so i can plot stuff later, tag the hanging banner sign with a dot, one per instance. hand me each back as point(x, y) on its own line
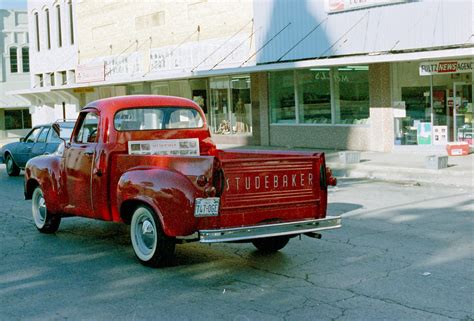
point(90, 73)
point(346, 5)
point(446, 67)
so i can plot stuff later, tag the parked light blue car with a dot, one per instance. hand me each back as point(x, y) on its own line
point(41, 140)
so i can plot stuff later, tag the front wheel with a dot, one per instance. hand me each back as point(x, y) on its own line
point(152, 247)
point(271, 244)
point(12, 168)
point(44, 221)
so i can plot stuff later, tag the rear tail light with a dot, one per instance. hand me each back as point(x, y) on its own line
point(331, 180)
point(218, 179)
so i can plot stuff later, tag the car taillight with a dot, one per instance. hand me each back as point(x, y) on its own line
point(331, 180)
point(218, 179)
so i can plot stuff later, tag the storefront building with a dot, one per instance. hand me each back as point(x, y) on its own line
point(334, 74)
point(353, 75)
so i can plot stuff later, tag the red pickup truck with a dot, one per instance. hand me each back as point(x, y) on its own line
point(149, 161)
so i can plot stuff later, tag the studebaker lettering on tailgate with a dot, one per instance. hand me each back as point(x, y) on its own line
point(269, 182)
point(149, 161)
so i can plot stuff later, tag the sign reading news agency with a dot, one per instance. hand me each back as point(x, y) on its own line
point(446, 67)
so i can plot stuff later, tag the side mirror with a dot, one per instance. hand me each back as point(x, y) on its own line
point(22, 139)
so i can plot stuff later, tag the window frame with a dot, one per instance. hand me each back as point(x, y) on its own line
point(48, 28)
point(31, 132)
point(37, 31)
point(71, 22)
point(14, 50)
point(82, 119)
point(203, 119)
point(44, 129)
point(333, 99)
point(25, 62)
point(59, 27)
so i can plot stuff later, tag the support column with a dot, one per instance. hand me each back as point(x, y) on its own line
point(260, 121)
point(381, 112)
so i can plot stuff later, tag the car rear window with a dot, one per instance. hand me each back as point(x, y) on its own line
point(153, 118)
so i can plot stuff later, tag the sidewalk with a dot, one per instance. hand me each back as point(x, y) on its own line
point(401, 165)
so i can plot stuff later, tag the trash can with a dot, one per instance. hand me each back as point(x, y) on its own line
point(457, 148)
point(436, 162)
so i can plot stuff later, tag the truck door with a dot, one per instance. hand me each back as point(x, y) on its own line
point(79, 161)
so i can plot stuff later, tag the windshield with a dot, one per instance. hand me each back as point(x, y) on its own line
point(152, 118)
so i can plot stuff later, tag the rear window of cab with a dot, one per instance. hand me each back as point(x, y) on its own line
point(154, 118)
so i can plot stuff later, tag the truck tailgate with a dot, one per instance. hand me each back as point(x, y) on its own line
point(265, 186)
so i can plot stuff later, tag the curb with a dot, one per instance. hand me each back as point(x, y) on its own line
point(398, 174)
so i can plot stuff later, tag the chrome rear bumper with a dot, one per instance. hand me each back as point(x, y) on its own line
point(269, 230)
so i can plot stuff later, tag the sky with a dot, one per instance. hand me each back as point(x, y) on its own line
point(13, 4)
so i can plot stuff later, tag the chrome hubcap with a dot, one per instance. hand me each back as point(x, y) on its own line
point(144, 236)
point(39, 209)
point(147, 234)
point(9, 163)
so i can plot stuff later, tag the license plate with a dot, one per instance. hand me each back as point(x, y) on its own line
point(206, 207)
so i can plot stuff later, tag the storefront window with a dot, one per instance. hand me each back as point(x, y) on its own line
point(230, 105)
point(282, 97)
point(351, 90)
point(463, 122)
point(241, 107)
point(435, 107)
point(337, 95)
point(17, 119)
point(220, 122)
point(314, 96)
point(414, 128)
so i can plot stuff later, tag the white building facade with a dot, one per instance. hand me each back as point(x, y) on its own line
point(53, 60)
point(15, 118)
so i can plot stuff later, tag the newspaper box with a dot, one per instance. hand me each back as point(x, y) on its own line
point(457, 148)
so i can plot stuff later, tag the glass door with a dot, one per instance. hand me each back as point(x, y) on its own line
point(462, 120)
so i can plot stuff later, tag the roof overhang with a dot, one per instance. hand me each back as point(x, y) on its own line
point(372, 58)
point(39, 96)
point(61, 93)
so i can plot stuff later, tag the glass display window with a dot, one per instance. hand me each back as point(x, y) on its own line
point(320, 95)
point(231, 108)
point(351, 94)
point(282, 97)
point(314, 96)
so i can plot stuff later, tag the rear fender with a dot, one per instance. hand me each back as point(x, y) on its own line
point(169, 193)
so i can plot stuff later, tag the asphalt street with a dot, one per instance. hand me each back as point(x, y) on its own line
point(405, 252)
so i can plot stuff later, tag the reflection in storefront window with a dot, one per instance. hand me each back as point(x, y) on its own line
point(231, 105)
point(338, 95)
point(241, 107)
point(17, 119)
point(314, 96)
point(417, 114)
point(282, 97)
point(352, 94)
